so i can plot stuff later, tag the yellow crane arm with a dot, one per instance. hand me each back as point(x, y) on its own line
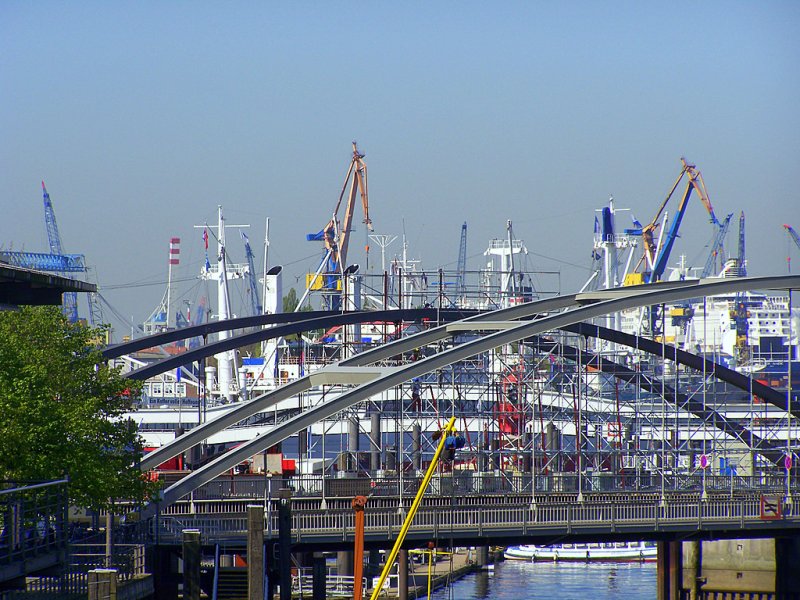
point(448, 429)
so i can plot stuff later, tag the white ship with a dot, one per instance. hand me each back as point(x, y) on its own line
point(597, 552)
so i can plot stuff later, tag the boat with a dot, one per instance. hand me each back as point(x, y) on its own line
point(597, 552)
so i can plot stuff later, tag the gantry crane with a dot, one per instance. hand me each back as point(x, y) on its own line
point(656, 254)
point(336, 234)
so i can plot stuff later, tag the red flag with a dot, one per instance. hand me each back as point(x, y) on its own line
point(205, 237)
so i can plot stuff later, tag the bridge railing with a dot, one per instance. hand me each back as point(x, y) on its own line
point(468, 483)
point(513, 514)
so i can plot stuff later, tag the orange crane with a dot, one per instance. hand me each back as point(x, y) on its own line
point(656, 254)
point(336, 234)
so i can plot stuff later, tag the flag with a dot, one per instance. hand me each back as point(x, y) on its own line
point(178, 374)
point(596, 226)
point(205, 238)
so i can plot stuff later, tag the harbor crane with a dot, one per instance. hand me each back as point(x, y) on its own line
point(796, 239)
point(716, 247)
point(336, 233)
point(56, 262)
point(740, 254)
point(656, 253)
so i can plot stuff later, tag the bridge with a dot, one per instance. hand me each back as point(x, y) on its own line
point(502, 511)
point(591, 459)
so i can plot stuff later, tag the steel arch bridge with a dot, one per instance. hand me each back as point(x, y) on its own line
point(493, 329)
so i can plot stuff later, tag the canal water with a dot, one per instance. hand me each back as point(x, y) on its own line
point(519, 580)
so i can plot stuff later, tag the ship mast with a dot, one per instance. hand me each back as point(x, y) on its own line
point(221, 272)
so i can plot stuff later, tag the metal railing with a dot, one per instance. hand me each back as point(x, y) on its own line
point(469, 482)
point(34, 520)
point(510, 516)
point(336, 586)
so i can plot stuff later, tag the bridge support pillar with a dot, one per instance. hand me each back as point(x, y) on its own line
point(255, 551)
point(669, 576)
point(191, 564)
point(482, 556)
point(402, 574)
point(787, 566)
point(319, 576)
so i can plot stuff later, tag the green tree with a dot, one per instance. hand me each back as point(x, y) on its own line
point(290, 301)
point(61, 410)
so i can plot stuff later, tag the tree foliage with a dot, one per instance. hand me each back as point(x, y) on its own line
point(61, 409)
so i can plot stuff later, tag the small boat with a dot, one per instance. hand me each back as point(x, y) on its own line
point(605, 552)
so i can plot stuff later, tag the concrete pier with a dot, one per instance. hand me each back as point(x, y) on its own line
point(767, 567)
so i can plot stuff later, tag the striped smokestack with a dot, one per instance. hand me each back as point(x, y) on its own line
point(175, 251)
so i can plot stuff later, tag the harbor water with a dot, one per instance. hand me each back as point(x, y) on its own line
point(519, 580)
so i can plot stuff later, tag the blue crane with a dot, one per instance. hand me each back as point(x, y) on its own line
point(55, 262)
point(717, 246)
point(796, 239)
point(658, 257)
point(255, 302)
point(740, 254)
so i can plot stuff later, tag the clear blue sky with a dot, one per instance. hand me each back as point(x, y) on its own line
point(142, 117)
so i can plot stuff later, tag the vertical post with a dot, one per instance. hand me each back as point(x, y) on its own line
point(402, 575)
point(669, 577)
point(319, 576)
point(359, 502)
point(696, 549)
point(109, 536)
point(255, 552)
point(285, 542)
point(191, 564)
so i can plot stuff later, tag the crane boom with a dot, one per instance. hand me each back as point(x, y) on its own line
point(70, 299)
point(255, 302)
point(659, 255)
point(793, 234)
point(717, 246)
point(336, 233)
point(50, 223)
point(740, 254)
